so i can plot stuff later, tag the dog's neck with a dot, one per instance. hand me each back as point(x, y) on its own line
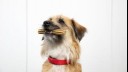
point(59, 52)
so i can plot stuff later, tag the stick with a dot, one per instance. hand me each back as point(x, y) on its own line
point(57, 31)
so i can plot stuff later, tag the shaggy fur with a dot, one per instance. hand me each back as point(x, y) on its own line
point(63, 46)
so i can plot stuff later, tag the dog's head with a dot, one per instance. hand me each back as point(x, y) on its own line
point(72, 28)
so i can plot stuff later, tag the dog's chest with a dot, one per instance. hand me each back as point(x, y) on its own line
point(57, 68)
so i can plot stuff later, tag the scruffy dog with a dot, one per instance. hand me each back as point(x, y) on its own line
point(63, 51)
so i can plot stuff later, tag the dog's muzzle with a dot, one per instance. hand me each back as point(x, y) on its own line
point(49, 26)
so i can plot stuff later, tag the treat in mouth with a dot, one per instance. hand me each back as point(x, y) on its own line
point(56, 31)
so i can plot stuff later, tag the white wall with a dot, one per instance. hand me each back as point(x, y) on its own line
point(119, 35)
point(12, 36)
point(103, 48)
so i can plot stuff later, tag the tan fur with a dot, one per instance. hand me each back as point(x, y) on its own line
point(70, 44)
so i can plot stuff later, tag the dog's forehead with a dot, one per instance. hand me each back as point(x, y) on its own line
point(60, 17)
point(66, 19)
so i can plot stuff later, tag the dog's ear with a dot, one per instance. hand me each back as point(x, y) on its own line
point(79, 30)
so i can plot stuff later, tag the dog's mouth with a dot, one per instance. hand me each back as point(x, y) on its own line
point(48, 32)
point(50, 29)
point(52, 37)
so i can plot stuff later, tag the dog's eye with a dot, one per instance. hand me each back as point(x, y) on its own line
point(61, 21)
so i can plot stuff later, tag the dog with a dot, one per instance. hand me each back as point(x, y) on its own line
point(63, 51)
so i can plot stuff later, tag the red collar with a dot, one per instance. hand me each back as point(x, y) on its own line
point(57, 62)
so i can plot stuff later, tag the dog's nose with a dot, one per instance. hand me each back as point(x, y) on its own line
point(46, 23)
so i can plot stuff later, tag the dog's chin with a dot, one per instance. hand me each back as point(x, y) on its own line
point(53, 38)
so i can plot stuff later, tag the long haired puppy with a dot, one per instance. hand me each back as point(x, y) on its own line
point(63, 51)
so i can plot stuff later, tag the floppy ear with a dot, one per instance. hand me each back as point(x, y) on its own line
point(79, 30)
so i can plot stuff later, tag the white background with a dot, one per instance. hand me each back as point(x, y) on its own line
point(103, 49)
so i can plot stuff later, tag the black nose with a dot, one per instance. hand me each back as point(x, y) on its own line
point(46, 23)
